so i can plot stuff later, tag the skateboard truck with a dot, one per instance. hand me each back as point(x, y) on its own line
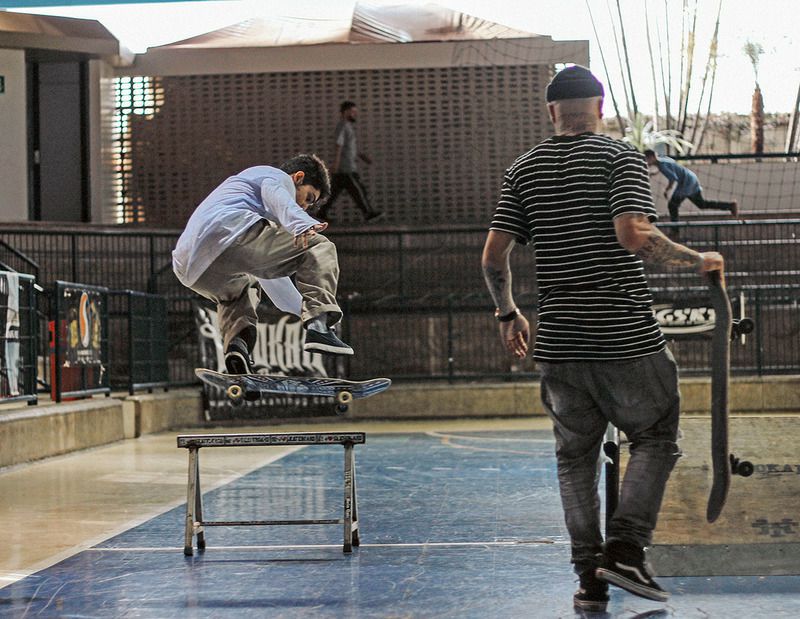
point(235, 393)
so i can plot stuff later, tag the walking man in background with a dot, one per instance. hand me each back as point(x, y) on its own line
point(345, 167)
point(686, 187)
point(583, 200)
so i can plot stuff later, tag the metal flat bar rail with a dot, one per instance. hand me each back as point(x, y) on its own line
point(195, 525)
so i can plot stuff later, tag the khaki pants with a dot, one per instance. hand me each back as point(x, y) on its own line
point(266, 251)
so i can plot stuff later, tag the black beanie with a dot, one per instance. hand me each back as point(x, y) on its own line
point(574, 82)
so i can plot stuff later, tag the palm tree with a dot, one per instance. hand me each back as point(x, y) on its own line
point(711, 67)
point(753, 51)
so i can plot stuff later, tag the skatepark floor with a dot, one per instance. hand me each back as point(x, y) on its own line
point(456, 518)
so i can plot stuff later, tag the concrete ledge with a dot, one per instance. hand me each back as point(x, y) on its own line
point(746, 395)
point(771, 394)
point(167, 410)
point(443, 401)
point(726, 560)
point(40, 432)
point(32, 433)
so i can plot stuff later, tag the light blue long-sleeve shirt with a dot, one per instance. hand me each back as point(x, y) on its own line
point(260, 192)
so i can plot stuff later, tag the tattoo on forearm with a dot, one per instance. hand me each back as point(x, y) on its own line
point(499, 283)
point(658, 249)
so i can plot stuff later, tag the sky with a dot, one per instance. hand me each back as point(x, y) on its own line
point(771, 23)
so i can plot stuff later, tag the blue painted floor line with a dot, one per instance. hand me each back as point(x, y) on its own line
point(452, 526)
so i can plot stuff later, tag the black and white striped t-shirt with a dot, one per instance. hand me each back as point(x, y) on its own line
point(594, 301)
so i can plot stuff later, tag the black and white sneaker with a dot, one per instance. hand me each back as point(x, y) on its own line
point(317, 341)
point(237, 357)
point(592, 595)
point(623, 565)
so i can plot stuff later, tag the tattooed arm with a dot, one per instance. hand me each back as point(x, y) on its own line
point(514, 333)
point(639, 236)
point(497, 270)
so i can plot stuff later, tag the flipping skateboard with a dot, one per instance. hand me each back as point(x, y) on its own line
point(239, 387)
point(723, 462)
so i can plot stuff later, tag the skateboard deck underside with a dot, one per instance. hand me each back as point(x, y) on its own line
point(311, 386)
point(720, 363)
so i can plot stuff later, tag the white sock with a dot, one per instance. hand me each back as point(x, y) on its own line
point(320, 323)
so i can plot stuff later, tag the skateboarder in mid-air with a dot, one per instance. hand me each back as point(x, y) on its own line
point(254, 228)
point(583, 201)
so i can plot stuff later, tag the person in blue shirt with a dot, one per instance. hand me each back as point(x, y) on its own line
point(686, 187)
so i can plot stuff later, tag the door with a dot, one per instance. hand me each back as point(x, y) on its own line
point(57, 127)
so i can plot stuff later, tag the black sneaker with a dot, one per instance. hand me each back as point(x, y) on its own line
point(373, 216)
point(592, 595)
point(237, 357)
point(623, 565)
point(316, 341)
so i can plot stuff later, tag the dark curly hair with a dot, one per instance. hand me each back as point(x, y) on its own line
point(315, 170)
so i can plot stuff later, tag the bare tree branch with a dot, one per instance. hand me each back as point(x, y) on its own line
point(652, 64)
point(605, 68)
point(627, 59)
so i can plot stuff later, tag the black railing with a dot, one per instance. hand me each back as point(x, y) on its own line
point(457, 339)
point(139, 341)
point(24, 263)
point(714, 158)
point(401, 263)
point(18, 338)
point(416, 298)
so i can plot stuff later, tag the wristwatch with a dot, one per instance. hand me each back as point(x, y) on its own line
point(507, 317)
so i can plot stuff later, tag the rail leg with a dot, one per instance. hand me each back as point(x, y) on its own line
point(191, 502)
point(198, 506)
point(356, 537)
point(348, 497)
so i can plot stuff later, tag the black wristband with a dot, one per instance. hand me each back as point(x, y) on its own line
point(506, 317)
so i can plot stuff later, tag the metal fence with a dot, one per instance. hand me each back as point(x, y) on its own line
point(416, 299)
point(457, 339)
point(138, 341)
point(18, 338)
point(404, 263)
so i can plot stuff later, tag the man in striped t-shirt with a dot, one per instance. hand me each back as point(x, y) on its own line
point(583, 201)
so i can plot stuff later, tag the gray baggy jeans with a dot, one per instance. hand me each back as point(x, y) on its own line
point(267, 251)
point(641, 397)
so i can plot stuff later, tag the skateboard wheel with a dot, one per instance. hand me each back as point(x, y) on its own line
point(234, 392)
point(746, 325)
point(341, 409)
point(344, 397)
point(745, 468)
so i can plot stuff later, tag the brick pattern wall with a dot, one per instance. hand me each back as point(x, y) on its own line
point(439, 138)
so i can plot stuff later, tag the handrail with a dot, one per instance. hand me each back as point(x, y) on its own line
point(734, 156)
point(34, 265)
